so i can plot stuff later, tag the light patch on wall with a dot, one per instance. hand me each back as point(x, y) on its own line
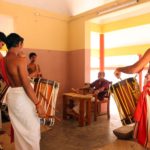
point(95, 38)
point(6, 24)
point(113, 61)
point(126, 37)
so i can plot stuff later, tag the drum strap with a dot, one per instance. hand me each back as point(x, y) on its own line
point(149, 68)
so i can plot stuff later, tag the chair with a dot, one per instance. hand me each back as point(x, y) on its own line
point(99, 103)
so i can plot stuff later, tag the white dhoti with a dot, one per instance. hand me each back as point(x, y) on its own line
point(24, 119)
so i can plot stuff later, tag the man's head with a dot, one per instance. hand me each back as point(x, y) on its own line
point(2, 39)
point(14, 40)
point(101, 75)
point(32, 56)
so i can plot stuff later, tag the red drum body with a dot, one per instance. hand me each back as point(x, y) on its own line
point(126, 94)
point(4, 84)
point(46, 92)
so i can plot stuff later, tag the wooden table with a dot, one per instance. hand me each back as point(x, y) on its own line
point(83, 99)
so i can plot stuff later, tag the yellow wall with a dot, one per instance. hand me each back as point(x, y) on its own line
point(51, 31)
point(76, 34)
point(127, 50)
point(126, 23)
point(122, 24)
point(79, 38)
point(42, 31)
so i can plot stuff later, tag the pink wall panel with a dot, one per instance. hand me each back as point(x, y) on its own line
point(76, 68)
point(53, 66)
point(65, 67)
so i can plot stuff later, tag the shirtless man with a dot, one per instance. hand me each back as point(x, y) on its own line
point(142, 112)
point(33, 68)
point(24, 108)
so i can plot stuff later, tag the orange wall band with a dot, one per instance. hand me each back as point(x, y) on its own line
point(101, 52)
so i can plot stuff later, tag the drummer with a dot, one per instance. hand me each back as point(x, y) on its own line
point(33, 68)
point(23, 105)
point(141, 115)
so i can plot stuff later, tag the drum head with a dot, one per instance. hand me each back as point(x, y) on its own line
point(122, 82)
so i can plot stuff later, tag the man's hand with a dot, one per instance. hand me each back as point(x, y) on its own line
point(40, 110)
point(117, 74)
point(96, 92)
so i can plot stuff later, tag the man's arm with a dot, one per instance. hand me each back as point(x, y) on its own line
point(92, 85)
point(39, 71)
point(22, 65)
point(23, 75)
point(103, 87)
point(135, 68)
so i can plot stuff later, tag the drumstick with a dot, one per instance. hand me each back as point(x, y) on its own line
point(46, 100)
point(43, 96)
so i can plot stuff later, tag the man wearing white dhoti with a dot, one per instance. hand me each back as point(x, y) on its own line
point(23, 106)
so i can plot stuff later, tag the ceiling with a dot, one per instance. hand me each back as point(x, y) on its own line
point(75, 7)
point(123, 13)
point(66, 7)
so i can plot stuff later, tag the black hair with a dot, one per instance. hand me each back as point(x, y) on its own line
point(2, 37)
point(32, 54)
point(13, 39)
point(102, 73)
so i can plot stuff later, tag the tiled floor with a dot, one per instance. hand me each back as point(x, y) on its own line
point(66, 135)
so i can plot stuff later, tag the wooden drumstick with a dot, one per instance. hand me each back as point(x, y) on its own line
point(43, 97)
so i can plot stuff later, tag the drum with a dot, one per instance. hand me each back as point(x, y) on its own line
point(126, 94)
point(46, 92)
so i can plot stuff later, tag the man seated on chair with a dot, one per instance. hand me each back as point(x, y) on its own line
point(99, 87)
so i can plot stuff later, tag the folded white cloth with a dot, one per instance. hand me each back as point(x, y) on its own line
point(24, 119)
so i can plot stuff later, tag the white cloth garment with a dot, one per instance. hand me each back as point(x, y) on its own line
point(77, 106)
point(24, 119)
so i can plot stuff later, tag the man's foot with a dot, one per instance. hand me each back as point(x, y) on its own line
point(72, 114)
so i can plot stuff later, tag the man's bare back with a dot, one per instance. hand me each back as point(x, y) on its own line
point(16, 69)
point(16, 62)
